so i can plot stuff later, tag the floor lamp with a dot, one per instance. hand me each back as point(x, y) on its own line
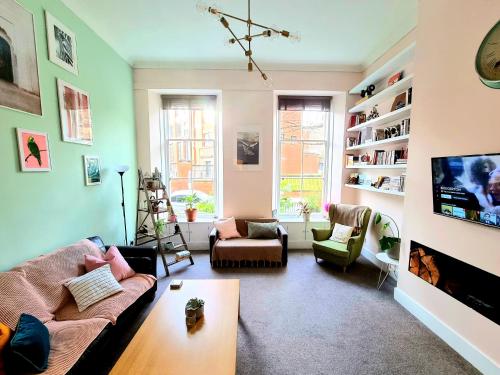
point(121, 169)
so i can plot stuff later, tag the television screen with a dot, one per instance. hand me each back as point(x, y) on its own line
point(468, 188)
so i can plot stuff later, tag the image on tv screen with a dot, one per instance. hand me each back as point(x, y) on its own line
point(468, 188)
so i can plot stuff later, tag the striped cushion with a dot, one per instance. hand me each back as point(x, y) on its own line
point(93, 287)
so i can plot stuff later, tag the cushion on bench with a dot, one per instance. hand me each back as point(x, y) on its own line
point(237, 249)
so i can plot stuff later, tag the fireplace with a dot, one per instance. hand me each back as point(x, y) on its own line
point(478, 289)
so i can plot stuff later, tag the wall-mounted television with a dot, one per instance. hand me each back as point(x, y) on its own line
point(468, 188)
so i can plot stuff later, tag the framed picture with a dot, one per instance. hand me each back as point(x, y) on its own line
point(19, 79)
point(62, 44)
point(76, 120)
point(248, 153)
point(34, 153)
point(92, 169)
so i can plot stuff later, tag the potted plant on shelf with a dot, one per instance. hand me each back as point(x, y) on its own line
point(388, 243)
point(160, 226)
point(305, 211)
point(191, 210)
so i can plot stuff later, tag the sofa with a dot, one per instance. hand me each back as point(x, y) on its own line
point(77, 338)
point(246, 252)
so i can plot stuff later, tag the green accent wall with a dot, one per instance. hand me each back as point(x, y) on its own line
point(41, 211)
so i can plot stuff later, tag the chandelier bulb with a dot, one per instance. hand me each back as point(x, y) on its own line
point(202, 7)
point(250, 66)
point(295, 37)
point(224, 22)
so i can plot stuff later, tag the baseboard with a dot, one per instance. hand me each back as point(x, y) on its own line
point(467, 350)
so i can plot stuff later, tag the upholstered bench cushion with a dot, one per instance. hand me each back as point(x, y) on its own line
point(237, 249)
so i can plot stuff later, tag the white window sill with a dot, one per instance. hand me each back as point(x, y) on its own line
point(299, 219)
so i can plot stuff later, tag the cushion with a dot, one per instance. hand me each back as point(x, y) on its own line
point(341, 233)
point(119, 266)
point(93, 287)
point(18, 296)
point(262, 230)
point(29, 348)
point(237, 249)
point(332, 247)
point(227, 228)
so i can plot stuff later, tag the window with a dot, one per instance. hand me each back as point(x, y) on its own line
point(302, 153)
point(190, 155)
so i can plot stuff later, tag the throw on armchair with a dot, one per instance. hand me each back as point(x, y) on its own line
point(342, 254)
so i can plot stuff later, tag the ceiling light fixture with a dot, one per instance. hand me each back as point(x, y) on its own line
point(247, 39)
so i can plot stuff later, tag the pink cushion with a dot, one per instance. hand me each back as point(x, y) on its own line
point(227, 228)
point(119, 266)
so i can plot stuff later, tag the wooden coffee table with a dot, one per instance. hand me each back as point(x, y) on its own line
point(164, 345)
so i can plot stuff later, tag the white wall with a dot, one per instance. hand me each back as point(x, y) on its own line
point(453, 114)
point(246, 101)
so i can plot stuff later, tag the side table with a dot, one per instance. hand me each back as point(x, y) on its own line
point(390, 265)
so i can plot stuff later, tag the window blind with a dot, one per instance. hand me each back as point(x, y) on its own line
point(304, 103)
point(192, 102)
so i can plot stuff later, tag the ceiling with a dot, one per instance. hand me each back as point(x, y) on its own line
point(335, 34)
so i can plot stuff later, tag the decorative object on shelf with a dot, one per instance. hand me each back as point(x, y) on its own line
point(121, 169)
point(175, 284)
point(362, 118)
point(74, 108)
point(19, 67)
point(156, 174)
point(248, 149)
point(391, 243)
point(488, 58)
point(191, 210)
point(351, 141)
point(399, 102)
point(160, 226)
point(265, 31)
point(368, 91)
point(62, 44)
point(365, 158)
point(155, 203)
point(304, 210)
point(92, 169)
point(373, 113)
point(326, 209)
point(195, 308)
point(34, 153)
point(395, 78)
point(353, 179)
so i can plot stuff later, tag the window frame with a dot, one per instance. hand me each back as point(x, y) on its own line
point(327, 173)
point(165, 157)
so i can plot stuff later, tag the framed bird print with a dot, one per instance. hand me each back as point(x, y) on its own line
point(92, 168)
point(248, 153)
point(34, 153)
point(62, 44)
point(74, 108)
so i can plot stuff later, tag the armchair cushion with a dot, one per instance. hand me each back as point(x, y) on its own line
point(321, 234)
point(332, 247)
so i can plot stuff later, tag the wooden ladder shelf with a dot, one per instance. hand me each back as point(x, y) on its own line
point(151, 215)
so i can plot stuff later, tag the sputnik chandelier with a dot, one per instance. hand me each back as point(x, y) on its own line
point(264, 31)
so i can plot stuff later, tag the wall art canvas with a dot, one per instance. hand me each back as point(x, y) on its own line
point(76, 120)
point(19, 81)
point(92, 168)
point(62, 44)
point(34, 153)
point(247, 148)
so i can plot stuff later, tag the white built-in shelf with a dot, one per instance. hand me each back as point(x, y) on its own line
point(396, 115)
point(370, 166)
point(387, 93)
point(371, 188)
point(400, 139)
point(392, 66)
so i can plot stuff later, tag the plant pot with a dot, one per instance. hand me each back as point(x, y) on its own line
point(191, 214)
point(198, 313)
point(394, 251)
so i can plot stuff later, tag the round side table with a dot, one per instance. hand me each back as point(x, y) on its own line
point(390, 265)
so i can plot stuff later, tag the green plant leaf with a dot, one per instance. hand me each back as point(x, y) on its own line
point(378, 218)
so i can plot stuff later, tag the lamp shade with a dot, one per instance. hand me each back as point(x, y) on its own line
point(122, 168)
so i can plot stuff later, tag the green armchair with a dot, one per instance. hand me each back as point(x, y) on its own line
point(336, 252)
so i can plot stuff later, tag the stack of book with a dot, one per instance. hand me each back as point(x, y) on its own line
point(382, 157)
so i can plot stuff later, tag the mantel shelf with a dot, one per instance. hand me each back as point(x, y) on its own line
point(387, 93)
point(400, 139)
point(396, 115)
point(371, 188)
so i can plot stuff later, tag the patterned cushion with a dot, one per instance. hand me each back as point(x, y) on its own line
point(93, 287)
point(341, 233)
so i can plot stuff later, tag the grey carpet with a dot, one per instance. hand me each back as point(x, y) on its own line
point(311, 318)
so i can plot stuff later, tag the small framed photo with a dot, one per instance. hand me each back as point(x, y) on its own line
point(76, 119)
point(92, 169)
point(34, 153)
point(62, 44)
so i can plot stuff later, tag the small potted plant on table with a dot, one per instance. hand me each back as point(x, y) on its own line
point(191, 210)
point(194, 310)
point(388, 243)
